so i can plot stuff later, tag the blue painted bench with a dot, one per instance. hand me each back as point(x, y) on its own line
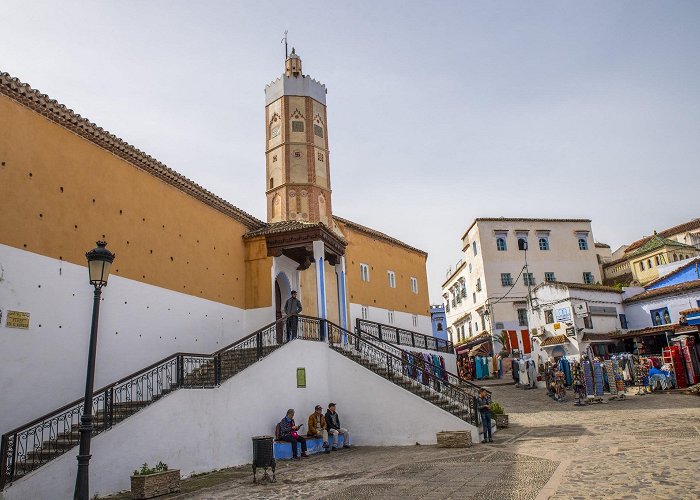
point(283, 449)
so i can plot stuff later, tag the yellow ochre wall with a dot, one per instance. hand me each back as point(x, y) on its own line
point(383, 256)
point(60, 193)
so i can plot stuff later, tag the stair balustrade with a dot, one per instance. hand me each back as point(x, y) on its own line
point(36, 443)
point(400, 336)
point(432, 383)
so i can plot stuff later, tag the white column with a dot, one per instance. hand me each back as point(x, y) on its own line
point(320, 260)
point(342, 293)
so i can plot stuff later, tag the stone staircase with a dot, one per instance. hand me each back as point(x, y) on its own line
point(231, 362)
point(465, 412)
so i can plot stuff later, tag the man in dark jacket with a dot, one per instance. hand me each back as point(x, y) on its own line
point(484, 405)
point(291, 308)
point(333, 424)
point(288, 431)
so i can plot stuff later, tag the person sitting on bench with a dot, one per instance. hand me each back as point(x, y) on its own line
point(333, 423)
point(317, 427)
point(288, 432)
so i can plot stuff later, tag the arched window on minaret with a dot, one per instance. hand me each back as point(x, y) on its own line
point(272, 182)
point(276, 207)
point(322, 207)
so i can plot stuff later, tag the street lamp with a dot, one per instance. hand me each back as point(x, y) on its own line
point(99, 261)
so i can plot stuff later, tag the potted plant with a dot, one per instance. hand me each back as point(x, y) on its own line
point(150, 482)
point(499, 415)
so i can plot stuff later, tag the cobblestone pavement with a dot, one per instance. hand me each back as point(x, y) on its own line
point(550, 450)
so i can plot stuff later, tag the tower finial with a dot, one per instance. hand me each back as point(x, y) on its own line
point(286, 51)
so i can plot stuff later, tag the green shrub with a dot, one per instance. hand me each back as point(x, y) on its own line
point(497, 409)
point(146, 470)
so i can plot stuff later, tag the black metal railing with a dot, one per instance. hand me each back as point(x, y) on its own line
point(399, 336)
point(458, 397)
point(32, 445)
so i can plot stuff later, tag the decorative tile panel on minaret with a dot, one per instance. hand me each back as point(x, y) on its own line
point(298, 173)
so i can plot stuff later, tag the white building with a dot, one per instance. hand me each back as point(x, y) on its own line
point(567, 318)
point(488, 289)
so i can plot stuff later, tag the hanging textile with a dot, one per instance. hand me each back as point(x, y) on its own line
point(522, 368)
point(587, 378)
point(610, 374)
point(598, 376)
point(531, 373)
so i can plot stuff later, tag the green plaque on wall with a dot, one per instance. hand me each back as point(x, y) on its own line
point(301, 378)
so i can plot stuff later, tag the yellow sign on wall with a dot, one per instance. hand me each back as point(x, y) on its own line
point(557, 326)
point(17, 319)
point(301, 378)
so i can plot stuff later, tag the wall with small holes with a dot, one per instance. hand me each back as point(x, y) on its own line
point(60, 193)
point(43, 367)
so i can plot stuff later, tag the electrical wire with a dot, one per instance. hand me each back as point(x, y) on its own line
point(511, 288)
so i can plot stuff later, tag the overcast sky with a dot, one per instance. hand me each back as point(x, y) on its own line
point(438, 112)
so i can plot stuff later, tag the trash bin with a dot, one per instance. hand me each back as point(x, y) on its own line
point(263, 456)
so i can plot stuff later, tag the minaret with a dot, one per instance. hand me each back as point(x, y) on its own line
point(298, 173)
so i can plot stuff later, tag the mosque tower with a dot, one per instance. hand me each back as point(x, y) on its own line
point(298, 172)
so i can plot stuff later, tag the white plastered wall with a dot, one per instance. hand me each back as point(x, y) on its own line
point(401, 319)
point(43, 368)
point(199, 430)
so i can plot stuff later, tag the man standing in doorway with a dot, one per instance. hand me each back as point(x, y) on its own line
point(291, 308)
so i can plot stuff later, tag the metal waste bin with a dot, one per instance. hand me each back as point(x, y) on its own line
point(263, 456)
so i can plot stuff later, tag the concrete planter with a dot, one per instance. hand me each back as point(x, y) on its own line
point(501, 421)
point(153, 485)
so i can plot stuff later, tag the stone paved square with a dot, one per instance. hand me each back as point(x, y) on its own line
point(550, 451)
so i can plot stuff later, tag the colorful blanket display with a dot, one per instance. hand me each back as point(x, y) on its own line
point(422, 366)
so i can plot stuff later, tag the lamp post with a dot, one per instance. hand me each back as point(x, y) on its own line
point(522, 245)
point(99, 261)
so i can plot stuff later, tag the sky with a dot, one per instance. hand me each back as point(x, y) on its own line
point(438, 112)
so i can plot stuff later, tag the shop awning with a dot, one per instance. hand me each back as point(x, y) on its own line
point(556, 340)
point(478, 339)
point(600, 338)
point(652, 330)
point(482, 350)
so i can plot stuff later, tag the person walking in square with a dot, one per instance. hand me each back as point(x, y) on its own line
point(291, 308)
point(484, 405)
point(333, 424)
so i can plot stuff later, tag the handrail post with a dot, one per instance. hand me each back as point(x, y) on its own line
point(413, 339)
point(217, 369)
point(4, 448)
point(109, 408)
point(379, 327)
point(258, 345)
point(180, 371)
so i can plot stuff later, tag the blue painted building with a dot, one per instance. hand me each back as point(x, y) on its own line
point(437, 316)
point(687, 272)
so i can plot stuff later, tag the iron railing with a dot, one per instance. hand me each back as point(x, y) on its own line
point(399, 336)
point(32, 445)
point(454, 394)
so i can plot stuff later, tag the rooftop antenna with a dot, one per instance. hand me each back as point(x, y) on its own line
point(286, 50)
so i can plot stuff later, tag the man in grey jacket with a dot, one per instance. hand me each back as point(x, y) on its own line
point(291, 308)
